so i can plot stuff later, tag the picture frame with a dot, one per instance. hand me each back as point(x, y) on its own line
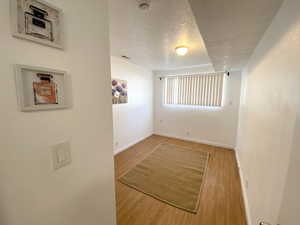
point(41, 88)
point(119, 91)
point(37, 21)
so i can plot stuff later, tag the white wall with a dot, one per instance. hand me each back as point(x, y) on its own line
point(83, 192)
point(132, 121)
point(268, 113)
point(212, 126)
point(290, 207)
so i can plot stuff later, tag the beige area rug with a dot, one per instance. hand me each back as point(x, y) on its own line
point(172, 174)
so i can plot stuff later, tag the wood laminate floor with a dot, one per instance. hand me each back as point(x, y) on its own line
point(221, 201)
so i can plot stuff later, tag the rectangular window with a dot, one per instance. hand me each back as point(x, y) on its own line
point(201, 90)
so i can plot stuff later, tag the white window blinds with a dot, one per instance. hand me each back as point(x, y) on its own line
point(201, 90)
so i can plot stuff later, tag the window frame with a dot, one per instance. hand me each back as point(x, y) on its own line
point(210, 85)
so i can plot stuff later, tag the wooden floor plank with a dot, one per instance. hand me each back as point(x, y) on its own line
point(221, 201)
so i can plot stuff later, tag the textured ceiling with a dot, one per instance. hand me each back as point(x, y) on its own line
point(150, 37)
point(231, 29)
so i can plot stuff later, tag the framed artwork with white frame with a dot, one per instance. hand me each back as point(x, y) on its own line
point(119, 91)
point(42, 88)
point(37, 21)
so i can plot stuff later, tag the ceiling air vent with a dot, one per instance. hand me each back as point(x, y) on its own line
point(125, 57)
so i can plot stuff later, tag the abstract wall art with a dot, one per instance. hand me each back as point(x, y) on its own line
point(119, 91)
point(38, 21)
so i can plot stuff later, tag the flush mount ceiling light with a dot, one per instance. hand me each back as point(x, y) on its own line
point(181, 50)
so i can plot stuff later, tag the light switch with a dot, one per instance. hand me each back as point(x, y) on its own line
point(61, 155)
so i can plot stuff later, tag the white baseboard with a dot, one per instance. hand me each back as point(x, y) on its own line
point(117, 151)
point(244, 189)
point(197, 141)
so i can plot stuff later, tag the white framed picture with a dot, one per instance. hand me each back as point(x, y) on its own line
point(119, 91)
point(37, 21)
point(42, 88)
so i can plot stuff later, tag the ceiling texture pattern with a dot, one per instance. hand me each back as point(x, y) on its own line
point(223, 33)
point(149, 37)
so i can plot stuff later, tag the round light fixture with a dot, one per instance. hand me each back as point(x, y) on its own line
point(182, 50)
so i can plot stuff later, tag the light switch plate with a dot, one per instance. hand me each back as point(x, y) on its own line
point(61, 155)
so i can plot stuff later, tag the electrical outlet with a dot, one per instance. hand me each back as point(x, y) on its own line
point(247, 184)
point(188, 133)
point(117, 144)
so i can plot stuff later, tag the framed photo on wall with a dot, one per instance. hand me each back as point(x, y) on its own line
point(119, 91)
point(42, 88)
point(37, 21)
